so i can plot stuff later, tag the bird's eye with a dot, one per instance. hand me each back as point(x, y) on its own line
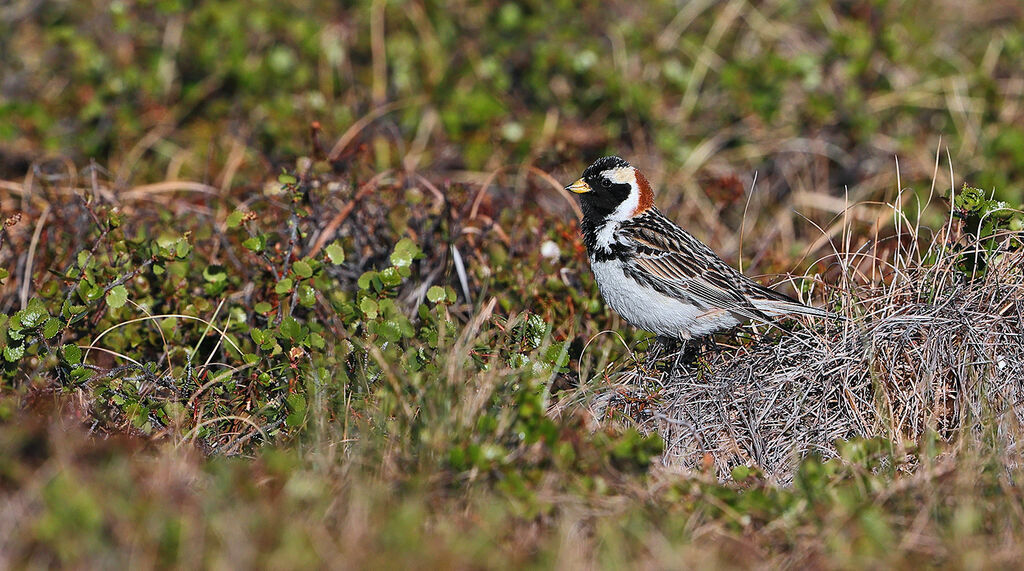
point(605, 183)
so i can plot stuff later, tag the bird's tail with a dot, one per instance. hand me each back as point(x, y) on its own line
point(776, 308)
point(776, 304)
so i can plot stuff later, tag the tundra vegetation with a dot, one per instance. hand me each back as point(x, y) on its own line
point(295, 284)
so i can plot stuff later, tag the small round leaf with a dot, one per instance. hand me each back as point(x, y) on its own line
point(436, 294)
point(117, 296)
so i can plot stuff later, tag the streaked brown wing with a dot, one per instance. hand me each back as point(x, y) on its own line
point(669, 255)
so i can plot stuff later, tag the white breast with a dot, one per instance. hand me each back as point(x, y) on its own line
point(652, 311)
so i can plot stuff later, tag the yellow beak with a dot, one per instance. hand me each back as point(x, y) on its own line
point(579, 187)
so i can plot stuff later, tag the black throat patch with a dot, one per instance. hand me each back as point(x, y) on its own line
point(605, 196)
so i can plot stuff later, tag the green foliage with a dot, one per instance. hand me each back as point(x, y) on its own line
point(838, 73)
point(27, 332)
point(993, 225)
point(192, 355)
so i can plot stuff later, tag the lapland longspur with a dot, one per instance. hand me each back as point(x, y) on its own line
point(655, 274)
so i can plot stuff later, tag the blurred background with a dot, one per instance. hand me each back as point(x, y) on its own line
point(818, 98)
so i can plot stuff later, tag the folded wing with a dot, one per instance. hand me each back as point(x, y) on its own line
point(677, 264)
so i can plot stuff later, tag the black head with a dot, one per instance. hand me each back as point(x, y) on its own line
point(607, 184)
point(601, 192)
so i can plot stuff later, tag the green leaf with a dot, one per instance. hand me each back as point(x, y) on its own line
point(557, 354)
point(90, 292)
point(51, 328)
point(72, 354)
point(256, 243)
point(285, 178)
point(366, 279)
point(117, 296)
point(234, 219)
point(4, 273)
point(297, 406)
point(335, 253)
point(302, 269)
point(72, 309)
point(436, 294)
point(307, 295)
point(13, 352)
point(182, 249)
point(115, 218)
point(369, 308)
point(263, 307)
point(389, 330)
point(80, 373)
point(405, 251)
point(32, 316)
point(215, 273)
point(284, 286)
point(391, 277)
point(258, 335)
point(292, 329)
point(317, 341)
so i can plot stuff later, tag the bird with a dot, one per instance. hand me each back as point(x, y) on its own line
point(656, 275)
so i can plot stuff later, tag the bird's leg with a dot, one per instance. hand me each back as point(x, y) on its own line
point(683, 345)
point(660, 350)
